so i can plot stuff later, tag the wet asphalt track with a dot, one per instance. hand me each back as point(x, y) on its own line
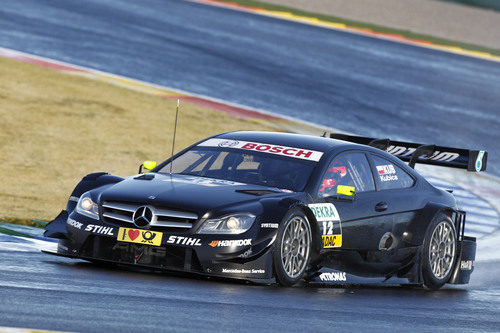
point(353, 83)
point(363, 85)
point(47, 292)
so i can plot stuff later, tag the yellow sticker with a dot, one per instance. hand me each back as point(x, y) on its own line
point(149, 165)
point(345, 190)
point(139, 236)
point(332, 241)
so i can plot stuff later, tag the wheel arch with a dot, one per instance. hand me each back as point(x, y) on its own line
point(57, 227)
point(418, 228)
point(90, 182)
point(316, 232)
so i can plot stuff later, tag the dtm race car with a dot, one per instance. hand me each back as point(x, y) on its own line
point(279, 207)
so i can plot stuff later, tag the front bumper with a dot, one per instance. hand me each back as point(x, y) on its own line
point(246, 256)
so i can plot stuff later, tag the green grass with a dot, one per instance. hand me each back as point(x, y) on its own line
point(6, 231)
point(373, 27)
point(20, 221)
point(57, 127)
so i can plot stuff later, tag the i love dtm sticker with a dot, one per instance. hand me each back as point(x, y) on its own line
point(139, 236)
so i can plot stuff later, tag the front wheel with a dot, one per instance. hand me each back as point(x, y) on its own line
point(439, 252)
point(292, 248)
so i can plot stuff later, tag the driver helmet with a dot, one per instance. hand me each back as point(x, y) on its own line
point(333, 177)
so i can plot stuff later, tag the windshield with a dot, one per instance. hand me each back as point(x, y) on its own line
point(243, 166)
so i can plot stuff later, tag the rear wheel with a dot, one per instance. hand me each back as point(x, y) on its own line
point(439, 252)
point(292, 248)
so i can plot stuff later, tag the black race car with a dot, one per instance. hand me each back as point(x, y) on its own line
point(279, 207)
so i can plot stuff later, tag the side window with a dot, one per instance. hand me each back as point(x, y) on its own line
point(351, 169)
point(390, 175)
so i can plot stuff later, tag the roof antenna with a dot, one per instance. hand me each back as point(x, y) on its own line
point(324, 135)
point(173, 141)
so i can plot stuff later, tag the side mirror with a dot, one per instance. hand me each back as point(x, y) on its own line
point(346, 190)
point(147, 165)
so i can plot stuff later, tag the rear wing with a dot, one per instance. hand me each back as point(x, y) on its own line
point(472, 160)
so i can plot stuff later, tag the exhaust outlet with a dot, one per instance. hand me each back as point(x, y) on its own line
point(387, 242)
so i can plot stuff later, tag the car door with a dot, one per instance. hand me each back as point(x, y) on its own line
point(397, 193)
point(357, 222)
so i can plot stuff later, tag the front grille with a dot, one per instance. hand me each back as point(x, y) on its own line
point(164, 257)
point(121, 213)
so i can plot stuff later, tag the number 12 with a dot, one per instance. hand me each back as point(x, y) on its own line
point(328, 228)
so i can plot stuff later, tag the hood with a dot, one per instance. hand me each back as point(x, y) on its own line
point(191, 193)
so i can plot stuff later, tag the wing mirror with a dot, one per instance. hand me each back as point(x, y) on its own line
point(349, 191)
point(147, 165)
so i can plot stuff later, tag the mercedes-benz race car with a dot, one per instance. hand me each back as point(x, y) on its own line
point(278, 207)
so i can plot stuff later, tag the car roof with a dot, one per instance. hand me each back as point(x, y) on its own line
point(304, 141)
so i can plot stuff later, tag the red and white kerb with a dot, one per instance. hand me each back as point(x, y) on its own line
point(304, 154)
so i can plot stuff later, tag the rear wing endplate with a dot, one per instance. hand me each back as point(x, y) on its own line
point(471, 160)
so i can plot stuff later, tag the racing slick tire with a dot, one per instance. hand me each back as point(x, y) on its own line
point(439, 252)
point(292, 251)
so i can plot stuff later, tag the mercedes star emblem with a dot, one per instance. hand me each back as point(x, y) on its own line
point(143, 216)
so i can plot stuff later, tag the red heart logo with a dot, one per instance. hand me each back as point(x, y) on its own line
point(133, 234)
